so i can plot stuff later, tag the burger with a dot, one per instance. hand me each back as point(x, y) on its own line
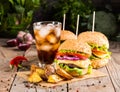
point(99, 46)
point(72, 59)
point(66, 34)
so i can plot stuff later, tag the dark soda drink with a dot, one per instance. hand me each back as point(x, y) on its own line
point(46, 57)
point(47, 36)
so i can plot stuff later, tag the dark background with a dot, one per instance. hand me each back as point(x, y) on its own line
point(114, 5)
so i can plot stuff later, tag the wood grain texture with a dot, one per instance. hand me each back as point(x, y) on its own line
point(101, 84)
point(31, 55)
point(21, 85)
point(114, 65)
point(6, 73)
point(94, 74)
point(9, 82)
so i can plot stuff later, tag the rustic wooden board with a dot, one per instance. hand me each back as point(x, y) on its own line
point(31, 55)
point(61, 88)
point(20, 85)
point(94, 74)
point(114, 71)
point(113, 66)
point(9, 52)
point(10, 83)
point(115, 47)
point(100, 84)
point(3, 41)
point(6, 74)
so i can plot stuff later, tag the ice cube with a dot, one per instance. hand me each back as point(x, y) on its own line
point(55, 46)
point(51, 38)
point(46, 47)
point(44, 31)
point(36, 32)
point(51, 25)
point(37, 27)
point(38, 38)
point(57, 31)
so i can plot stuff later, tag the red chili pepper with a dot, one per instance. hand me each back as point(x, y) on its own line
point(17, 61)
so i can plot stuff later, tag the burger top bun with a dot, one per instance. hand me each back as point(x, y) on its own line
point(65, 34)
point(94, 38)
point(74, 44)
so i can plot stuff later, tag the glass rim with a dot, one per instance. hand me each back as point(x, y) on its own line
point(45, 22)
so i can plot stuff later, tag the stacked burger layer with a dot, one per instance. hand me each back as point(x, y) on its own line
point(75, 57)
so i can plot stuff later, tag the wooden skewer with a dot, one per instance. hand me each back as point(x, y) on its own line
point(93, 25)
point(77, 25)
point(64, 17)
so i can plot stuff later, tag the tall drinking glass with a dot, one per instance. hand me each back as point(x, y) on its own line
point(47, 36)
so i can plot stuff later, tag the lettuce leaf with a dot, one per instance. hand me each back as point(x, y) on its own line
point(68, 51)
point(75, 69)
point(68, 69)
point(103, 47)
point(89, 69)
point(100, 48)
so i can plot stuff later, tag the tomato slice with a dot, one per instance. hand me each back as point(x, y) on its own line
point(73, 54)
point(80, 56)
point(98, 52)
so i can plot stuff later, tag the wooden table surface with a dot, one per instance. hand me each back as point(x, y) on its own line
point(10, 82)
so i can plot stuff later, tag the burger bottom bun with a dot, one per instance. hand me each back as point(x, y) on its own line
point(98, 63)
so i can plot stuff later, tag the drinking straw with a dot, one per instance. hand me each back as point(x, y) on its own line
point(93, 25)
point(77, 25)
point(64, 17)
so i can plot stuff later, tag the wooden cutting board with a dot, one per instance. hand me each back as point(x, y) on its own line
point(31, 55)
point(94, 74)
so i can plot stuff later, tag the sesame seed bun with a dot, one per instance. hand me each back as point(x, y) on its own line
point(94, 38)
point(98, 39)
point(65, 34)
point(74, 44)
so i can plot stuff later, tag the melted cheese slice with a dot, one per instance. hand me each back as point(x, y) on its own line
point(79, 63)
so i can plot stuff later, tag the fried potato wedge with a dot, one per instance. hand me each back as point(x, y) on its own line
point(33, 68)
point(34, 77)
point(40, 71)
point(54, 78)
point(63, 73)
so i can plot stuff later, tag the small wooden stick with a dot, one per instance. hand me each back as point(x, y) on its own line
point(93, 25)
point(77, 25)
point(64, 17)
